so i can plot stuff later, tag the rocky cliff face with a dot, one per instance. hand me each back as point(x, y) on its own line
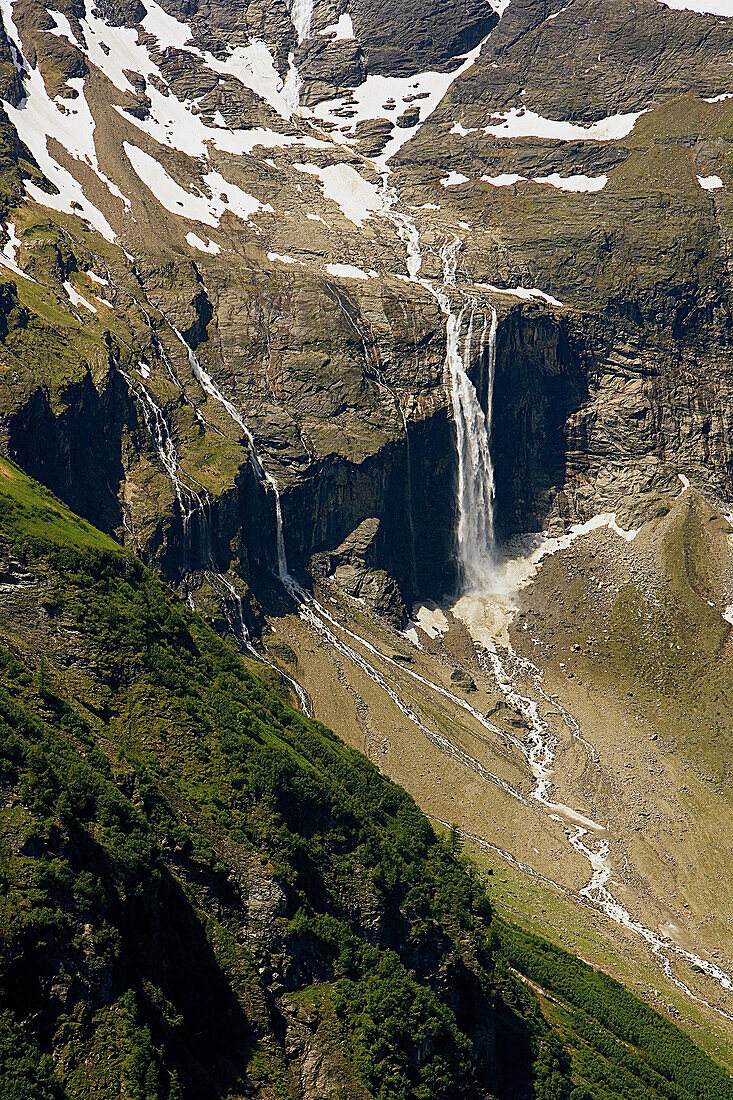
point(209, 285)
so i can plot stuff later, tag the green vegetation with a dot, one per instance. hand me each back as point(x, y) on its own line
point(197, 882)
point(620, 1047)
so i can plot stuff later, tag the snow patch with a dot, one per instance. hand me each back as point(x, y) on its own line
point(343, 31)
point(254, 67)
point(99, 279)
point(346, 271)
point(9, 257)
point(574, 184)
point(506, 179)
point(723, 8)
point(63, 28)
point(719, 98)
point(69, 121)
point(343, 185)
point(685, 483)
point(431, 619)
point(521, 292)
point(212, 248)
point(77, 299)
point(519, 122)
point(710, 183)
point(728, 614)
point(169, 31)
point(225, 196)
point(281, 259)
point(453, 179)
point(410, 632)
point(368, 100)
point(301, 14)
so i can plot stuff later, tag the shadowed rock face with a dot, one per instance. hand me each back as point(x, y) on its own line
point(539, 385)
point(397, 43)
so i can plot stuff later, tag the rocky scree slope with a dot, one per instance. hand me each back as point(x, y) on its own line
point(204, 892)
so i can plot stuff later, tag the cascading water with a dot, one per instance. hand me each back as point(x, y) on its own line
point(194, 506)
point(476, 488)
point(210, 387)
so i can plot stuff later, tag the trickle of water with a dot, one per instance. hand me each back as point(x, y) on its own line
point(210, 387)
point(194, 509)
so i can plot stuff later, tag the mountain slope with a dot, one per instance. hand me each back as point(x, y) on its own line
point(204, 892)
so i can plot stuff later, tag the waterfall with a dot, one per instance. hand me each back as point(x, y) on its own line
point(191, 503)
point(210, 387)
point(195, 504)
point(476, 489)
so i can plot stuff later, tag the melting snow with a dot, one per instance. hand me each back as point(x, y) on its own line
point(97, 278)
point(506, 179)
point(519, 122)
point(685, 483)
point(720, 98)
point(281, 259)
point(254, 67)
point(521, 292)
point(460, 129)
point(431, 619)
point(342, 31)
point(367, 102)
point(77, 299)
point(63, 28)
point(710, 183)
point(168, 30)
point(575, 184)
point(453, 179)
point(301, 13)
point(212, 248)
point(9, 257)
point(68, 121)
point(343, 185)
point(410, 632)
point(346, 271)
point(144, 369)
point(224, 195)
point(728, 614)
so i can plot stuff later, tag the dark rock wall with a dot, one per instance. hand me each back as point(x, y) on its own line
point(77, 453)
point(538, 385)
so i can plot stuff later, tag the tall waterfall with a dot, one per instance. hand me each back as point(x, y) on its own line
point(476, 488)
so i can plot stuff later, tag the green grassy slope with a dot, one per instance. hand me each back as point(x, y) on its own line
point(202, 891)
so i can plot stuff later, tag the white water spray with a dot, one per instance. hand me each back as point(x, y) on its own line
point(476, 488)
